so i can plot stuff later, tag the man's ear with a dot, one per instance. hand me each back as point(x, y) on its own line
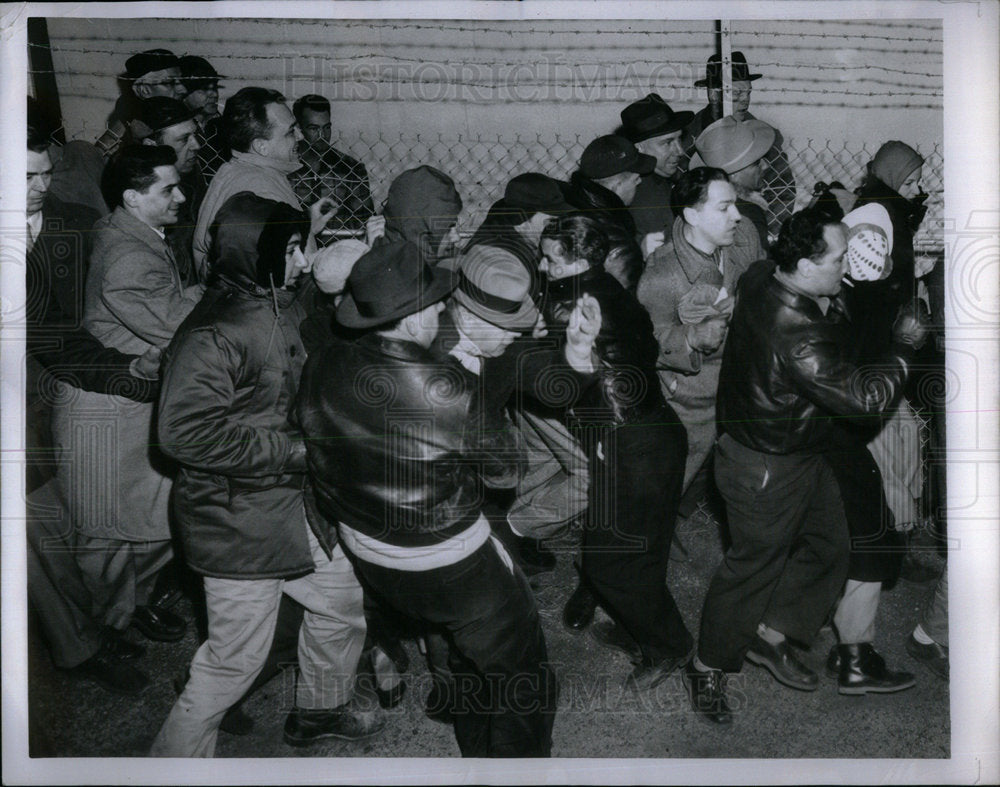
point(130, 198)
point(259, 146)
point(690, 216)
point(149, 141)
point(805, 267)
point(141, 90)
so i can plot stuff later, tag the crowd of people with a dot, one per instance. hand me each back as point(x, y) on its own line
point(357, 427)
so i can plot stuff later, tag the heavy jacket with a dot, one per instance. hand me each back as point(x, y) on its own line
point(624, 260)
point(422, 205)
point(626, 390)
point(651, 207)
point(789, 369)
point(397, 439)
point(229, 381)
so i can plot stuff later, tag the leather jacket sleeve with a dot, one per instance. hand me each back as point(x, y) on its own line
point(199, 424)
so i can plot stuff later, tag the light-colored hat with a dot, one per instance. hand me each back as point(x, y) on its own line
point(495, 285)
point(869, 242)
point(332, 264)
point(730, 144)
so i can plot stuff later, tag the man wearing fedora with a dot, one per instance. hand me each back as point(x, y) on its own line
point(201, 80)
point(738, 148)
point(656, 130)
point(399, 440)
point(778, 183)
point(603, 187)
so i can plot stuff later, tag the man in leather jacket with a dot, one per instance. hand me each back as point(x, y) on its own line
point(399, 441)
point(789, 369)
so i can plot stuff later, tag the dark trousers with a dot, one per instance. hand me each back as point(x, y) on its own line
point(505, 690)
point(789, 552)
point(635, 490)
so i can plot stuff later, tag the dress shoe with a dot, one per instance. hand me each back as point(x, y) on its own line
point(167, 591)
point(158, 624)
point(780, 660)
point(648, 674)
point(112, 674)
point(534, 554)
point(862, 671)
point(440, 703)
point(611, 635)
point(707, 691)
point(119, 645)
point(236, 721)
point(303, 727)
point(932, 656)
point(579, 609)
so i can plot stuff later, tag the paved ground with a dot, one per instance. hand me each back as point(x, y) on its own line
point(596, 717)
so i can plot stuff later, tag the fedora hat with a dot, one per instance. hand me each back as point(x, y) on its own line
point(869, 242)
point(611, 154)
point(390, 282)
point(652, 117)
point(730, 144)
point(713, 71)
point(158, 113)
point(143, 63)
point(494, 285)
point(197, 73)
point(533, 192)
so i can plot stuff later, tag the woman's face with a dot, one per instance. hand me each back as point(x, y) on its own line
point(555, 264)
point(911, 186)
point(295, 261)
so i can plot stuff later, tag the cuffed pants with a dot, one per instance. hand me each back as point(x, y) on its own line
point(789, 553)
point(505, 690)
point(241, 620)
point(934, 621)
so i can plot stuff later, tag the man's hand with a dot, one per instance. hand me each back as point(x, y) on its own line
point(909, 328)
point(374, 228)
point(651, 241)
point(147, 365)
point(540, 330)
point(708, 335)
point(584, 325)
point(320, 213)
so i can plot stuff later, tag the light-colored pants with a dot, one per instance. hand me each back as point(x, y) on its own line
point(896, 450)
point(855, 615)
point(241, 618)
point(934, 621)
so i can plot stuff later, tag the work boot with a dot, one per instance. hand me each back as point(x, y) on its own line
point(580, 607)
point(861, 670)
point(304, 726)
point(707, 691)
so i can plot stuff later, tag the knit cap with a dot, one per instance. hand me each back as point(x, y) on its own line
point(869, 242)
point(894, 162)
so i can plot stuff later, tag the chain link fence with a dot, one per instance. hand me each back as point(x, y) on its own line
point(482, 165)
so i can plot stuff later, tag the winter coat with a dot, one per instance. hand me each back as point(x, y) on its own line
point(229, 381)
point(422, 205)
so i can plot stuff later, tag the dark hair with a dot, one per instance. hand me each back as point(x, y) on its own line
point(135, 168)
point(38, 142)
point(312, 102)
point(245, 116)
point(691, 188)
point(801, 237)
point(581, 237)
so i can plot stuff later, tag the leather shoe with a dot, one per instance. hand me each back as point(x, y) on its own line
point(112, 674)
point(863, 671)
point(580, 607)
point(236, 721)
point(707, 692)
point(648, 674)
point(439, 705)
point(117, 644)
point(780, 660)
point(158, 624)
point(303, 727)
point(167, 591)
point(933, 656)
point(535, 555)
point(611, 635)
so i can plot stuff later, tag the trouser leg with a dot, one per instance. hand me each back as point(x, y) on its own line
point(108, 570)
point(241, 619)
point(56, 591)
point(333, 630)
point(855, 615)
point(150, 559)
point(934, 621)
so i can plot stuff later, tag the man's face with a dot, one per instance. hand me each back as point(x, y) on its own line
point(741, 98)
point(183, 139)
point(490, 339)
point(280, 145)
point(531, 230)
point(425, 323)
point(748, 177)
point(204, 101)
point(666, 149)
point(296, 262)
point(715, 220)
point(39, 179)
point(157, 206)
point(623, 184)
point(316, 127)
point(161, 83)
point(824, 276)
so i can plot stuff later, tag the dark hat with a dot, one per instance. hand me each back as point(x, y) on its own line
point(534, 192)
point(197, 73)
point(390, 282)
point(610, 155)
point(158, 113)
point(652, 117)
point(151, 60)
point(713, 71)
point(496, 286)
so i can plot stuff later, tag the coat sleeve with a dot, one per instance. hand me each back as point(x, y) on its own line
point(138, 288)
point(198, 424)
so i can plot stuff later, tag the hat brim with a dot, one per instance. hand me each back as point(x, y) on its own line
point(643, 165)
point(678, 122)
point(522, 320)
point(705, 83)
point(443, 282)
